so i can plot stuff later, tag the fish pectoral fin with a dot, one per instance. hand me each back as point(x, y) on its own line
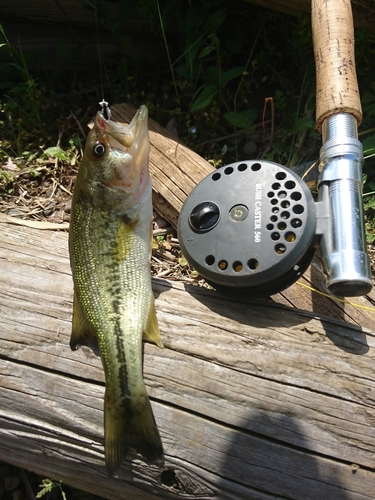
point(151, 331)
point(82, 333)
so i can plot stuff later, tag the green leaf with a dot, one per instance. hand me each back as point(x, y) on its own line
point(302, 124)
point(183, 261)
point(229, 75)
point(192, 46)
point(189, 72)
point(207, 50)
point(47, 486)
point(56, 152)
point(249, 114)
point(244, 119)
point(369, 145)
point(204, 98)
point(193, 18)
point(214, 21)
point(6, 85)
point(368, 102)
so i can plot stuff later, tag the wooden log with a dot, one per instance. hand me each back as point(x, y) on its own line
point(253, 400)
point(81, 14)
point(64, 31)
point(175, 169)
point(363, 10)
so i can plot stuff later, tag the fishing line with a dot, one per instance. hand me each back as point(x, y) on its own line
point(167, 49)
point(242, 78)
point(359, 306)
point(103, 103)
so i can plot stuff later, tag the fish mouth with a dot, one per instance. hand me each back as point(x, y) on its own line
point(132, 138)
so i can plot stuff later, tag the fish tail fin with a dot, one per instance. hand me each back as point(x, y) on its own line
point(131, 425)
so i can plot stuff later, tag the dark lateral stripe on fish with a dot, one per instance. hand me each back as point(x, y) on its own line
point(122, 375)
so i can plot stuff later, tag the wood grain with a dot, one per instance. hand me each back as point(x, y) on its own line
point(253, 401)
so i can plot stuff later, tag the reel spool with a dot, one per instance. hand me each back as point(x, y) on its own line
point(249, 228)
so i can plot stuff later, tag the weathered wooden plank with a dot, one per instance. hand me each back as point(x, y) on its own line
point(356, 310)
point(59, 427)
point(253, 401)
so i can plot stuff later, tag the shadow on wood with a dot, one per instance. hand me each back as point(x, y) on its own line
point(253, 400)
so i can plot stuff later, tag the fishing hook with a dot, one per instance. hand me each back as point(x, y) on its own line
point(106, 112)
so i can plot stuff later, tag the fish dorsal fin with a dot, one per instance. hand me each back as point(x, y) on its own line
point(82, 333)
point(151, 331)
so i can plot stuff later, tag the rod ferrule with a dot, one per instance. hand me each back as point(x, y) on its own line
point(343, 242)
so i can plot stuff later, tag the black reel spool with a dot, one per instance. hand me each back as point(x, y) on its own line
point(249, 228)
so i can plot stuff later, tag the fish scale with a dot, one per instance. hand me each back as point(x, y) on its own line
point(113, 302)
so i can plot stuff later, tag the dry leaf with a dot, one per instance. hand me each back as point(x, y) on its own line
point(10, 165)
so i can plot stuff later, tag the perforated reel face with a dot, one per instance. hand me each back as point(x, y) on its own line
point(249, 228)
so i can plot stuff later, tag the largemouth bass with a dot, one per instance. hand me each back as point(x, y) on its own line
point(110, 248)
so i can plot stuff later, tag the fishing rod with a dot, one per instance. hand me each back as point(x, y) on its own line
point(338, 115)
point(251, 228)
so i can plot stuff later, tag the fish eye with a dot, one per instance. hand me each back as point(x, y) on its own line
point(98, 149)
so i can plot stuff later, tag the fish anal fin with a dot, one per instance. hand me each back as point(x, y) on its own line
point(82, 333)
point(151, 331)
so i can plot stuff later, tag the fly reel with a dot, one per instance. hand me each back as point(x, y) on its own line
point(249, 228)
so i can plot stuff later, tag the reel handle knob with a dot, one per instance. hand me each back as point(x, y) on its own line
point(204, 216)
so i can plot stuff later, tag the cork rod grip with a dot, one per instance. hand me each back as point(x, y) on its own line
point(336, 78)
